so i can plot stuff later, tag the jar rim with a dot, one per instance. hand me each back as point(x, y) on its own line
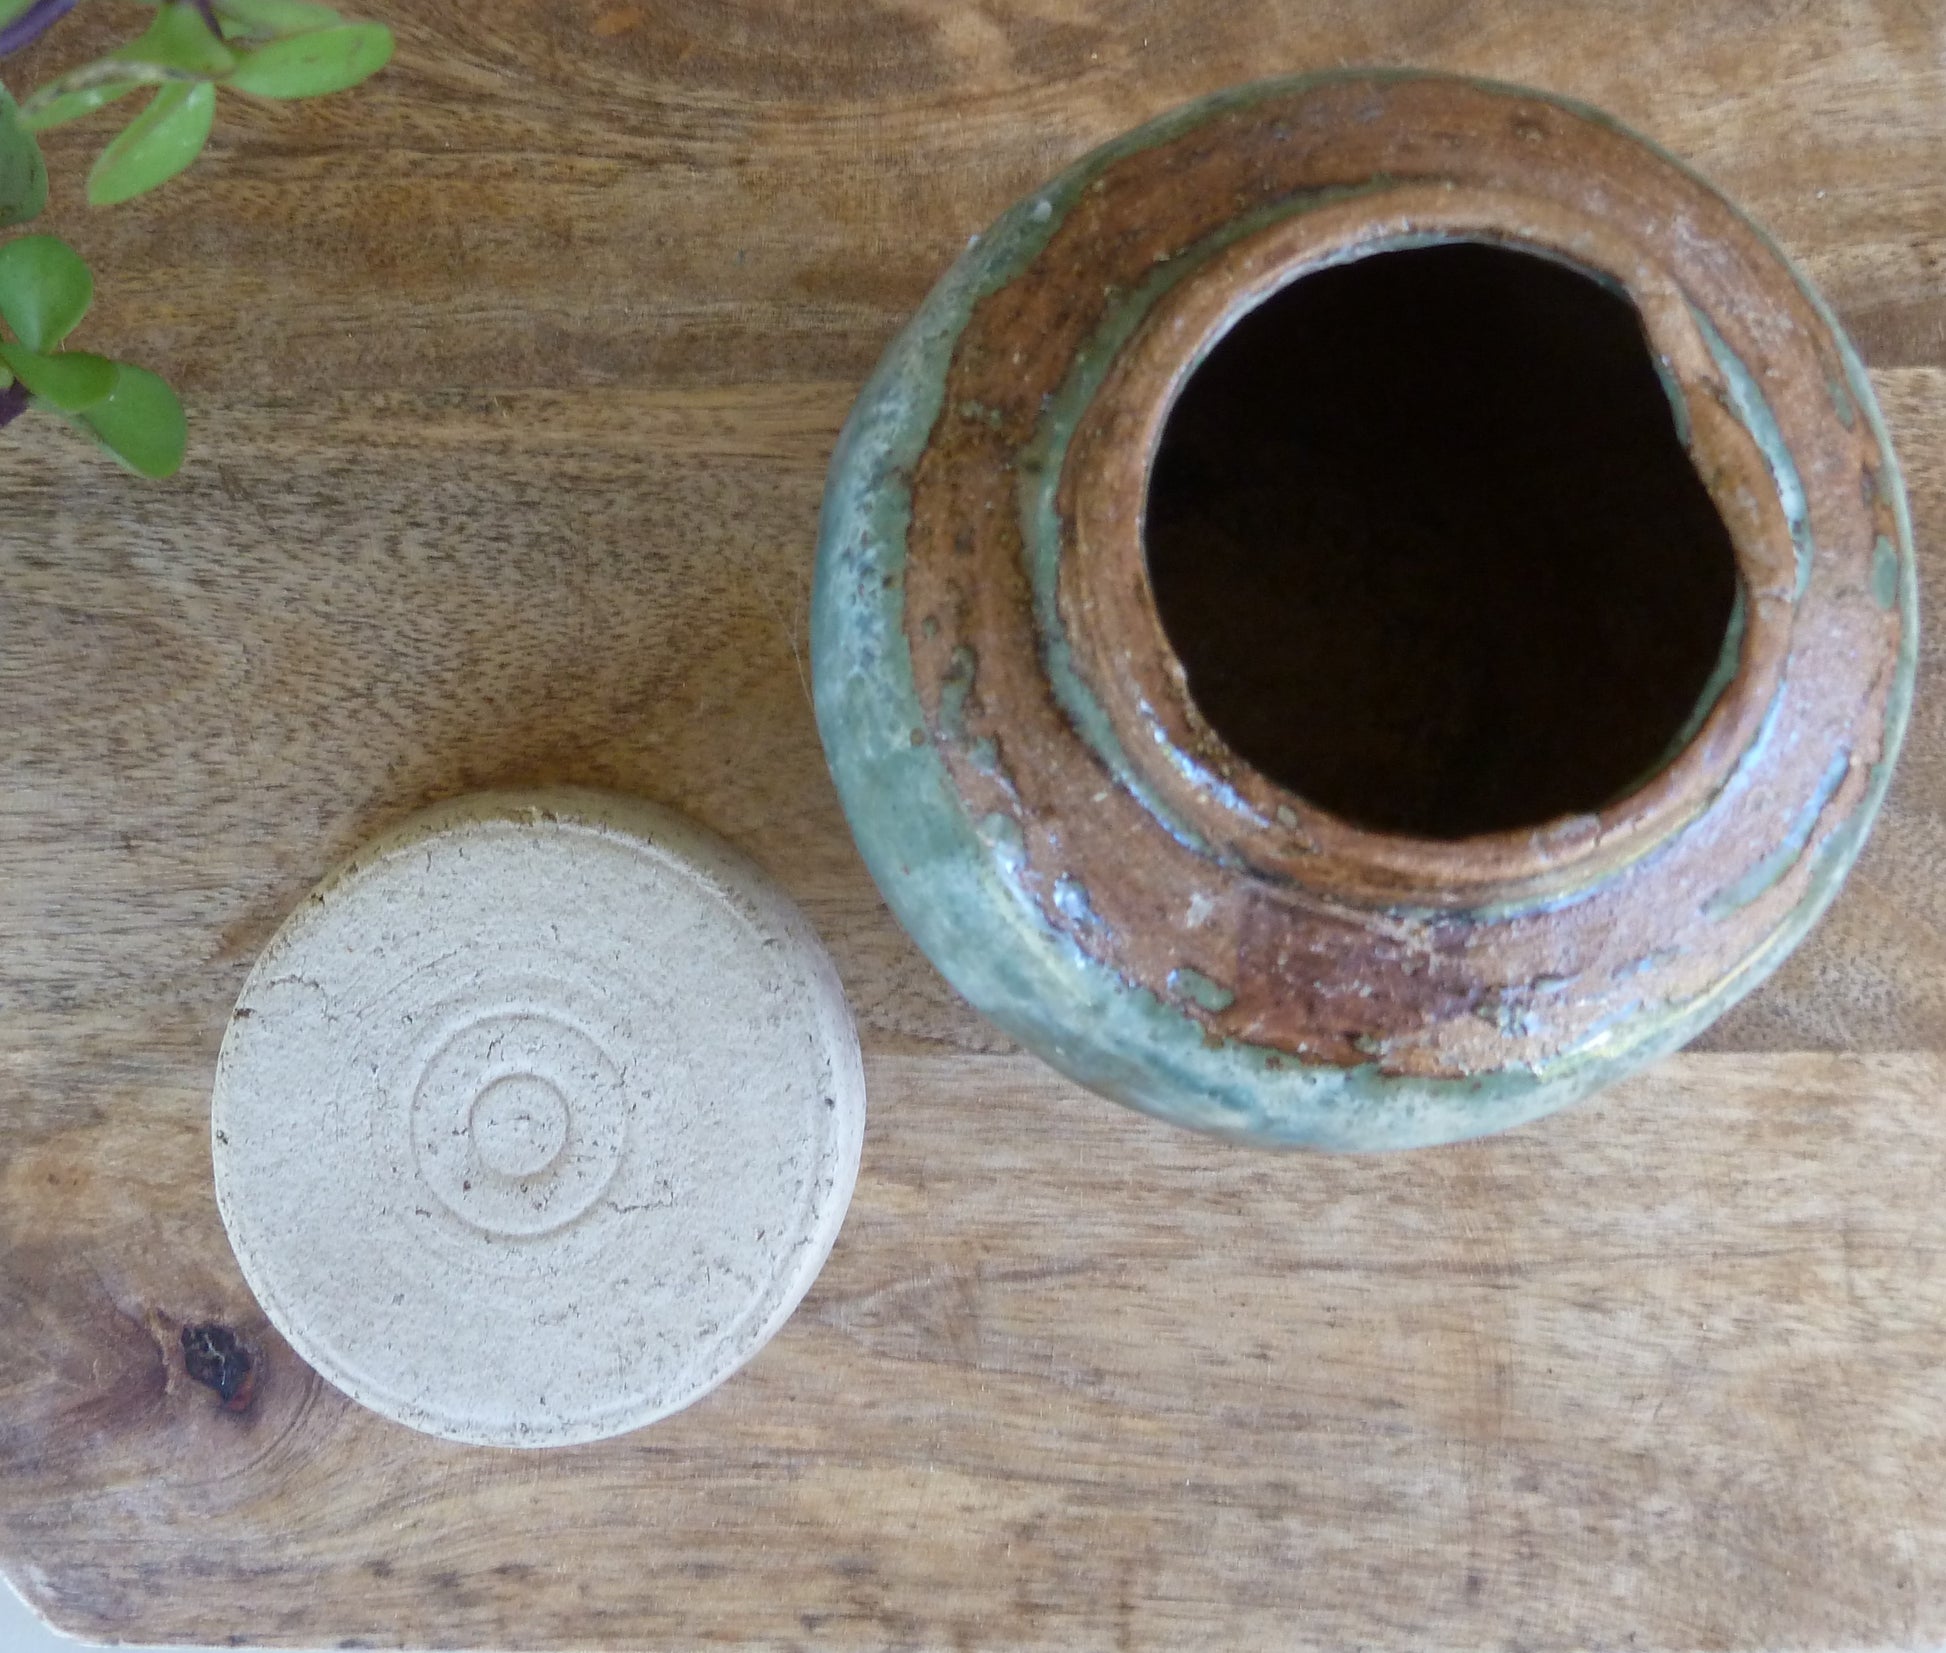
point(1109, 614)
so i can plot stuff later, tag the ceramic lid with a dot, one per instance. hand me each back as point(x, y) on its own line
point(537, 1119)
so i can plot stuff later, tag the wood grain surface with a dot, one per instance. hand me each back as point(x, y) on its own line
point(512, 379)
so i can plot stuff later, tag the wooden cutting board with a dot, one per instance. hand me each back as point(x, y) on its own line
point(513, 377)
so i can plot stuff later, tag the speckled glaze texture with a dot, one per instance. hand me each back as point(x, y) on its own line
point(1081, 854)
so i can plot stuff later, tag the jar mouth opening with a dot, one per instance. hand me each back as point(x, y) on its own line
point(1423, 537)
point(1419, 554)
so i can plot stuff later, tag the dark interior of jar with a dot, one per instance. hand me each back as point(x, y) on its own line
point(1423, 533)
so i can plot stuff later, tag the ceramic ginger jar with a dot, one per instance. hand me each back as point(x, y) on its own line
point(1366, 609)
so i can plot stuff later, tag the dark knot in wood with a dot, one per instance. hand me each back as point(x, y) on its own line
point(213, 1356)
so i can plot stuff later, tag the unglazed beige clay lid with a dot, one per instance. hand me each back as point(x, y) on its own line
point(537, 1119)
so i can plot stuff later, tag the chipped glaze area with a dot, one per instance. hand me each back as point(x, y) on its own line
point(1032, 951)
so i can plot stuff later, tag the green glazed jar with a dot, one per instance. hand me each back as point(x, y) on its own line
point(1368, 608)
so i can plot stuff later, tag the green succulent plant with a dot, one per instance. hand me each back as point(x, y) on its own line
point(190, 48)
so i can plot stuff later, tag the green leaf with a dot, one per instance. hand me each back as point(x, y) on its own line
point(141, 423)
point(178, 39)
point(45, 289)
point(309, 65)
point(156, 145)
point(177, 46)
point(71, 380)
point(52, 106)
point(10, 9)
point(277, 17)
point(23, 175)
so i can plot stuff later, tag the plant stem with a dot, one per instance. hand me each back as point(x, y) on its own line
point(14, 402)
point(31, 24)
